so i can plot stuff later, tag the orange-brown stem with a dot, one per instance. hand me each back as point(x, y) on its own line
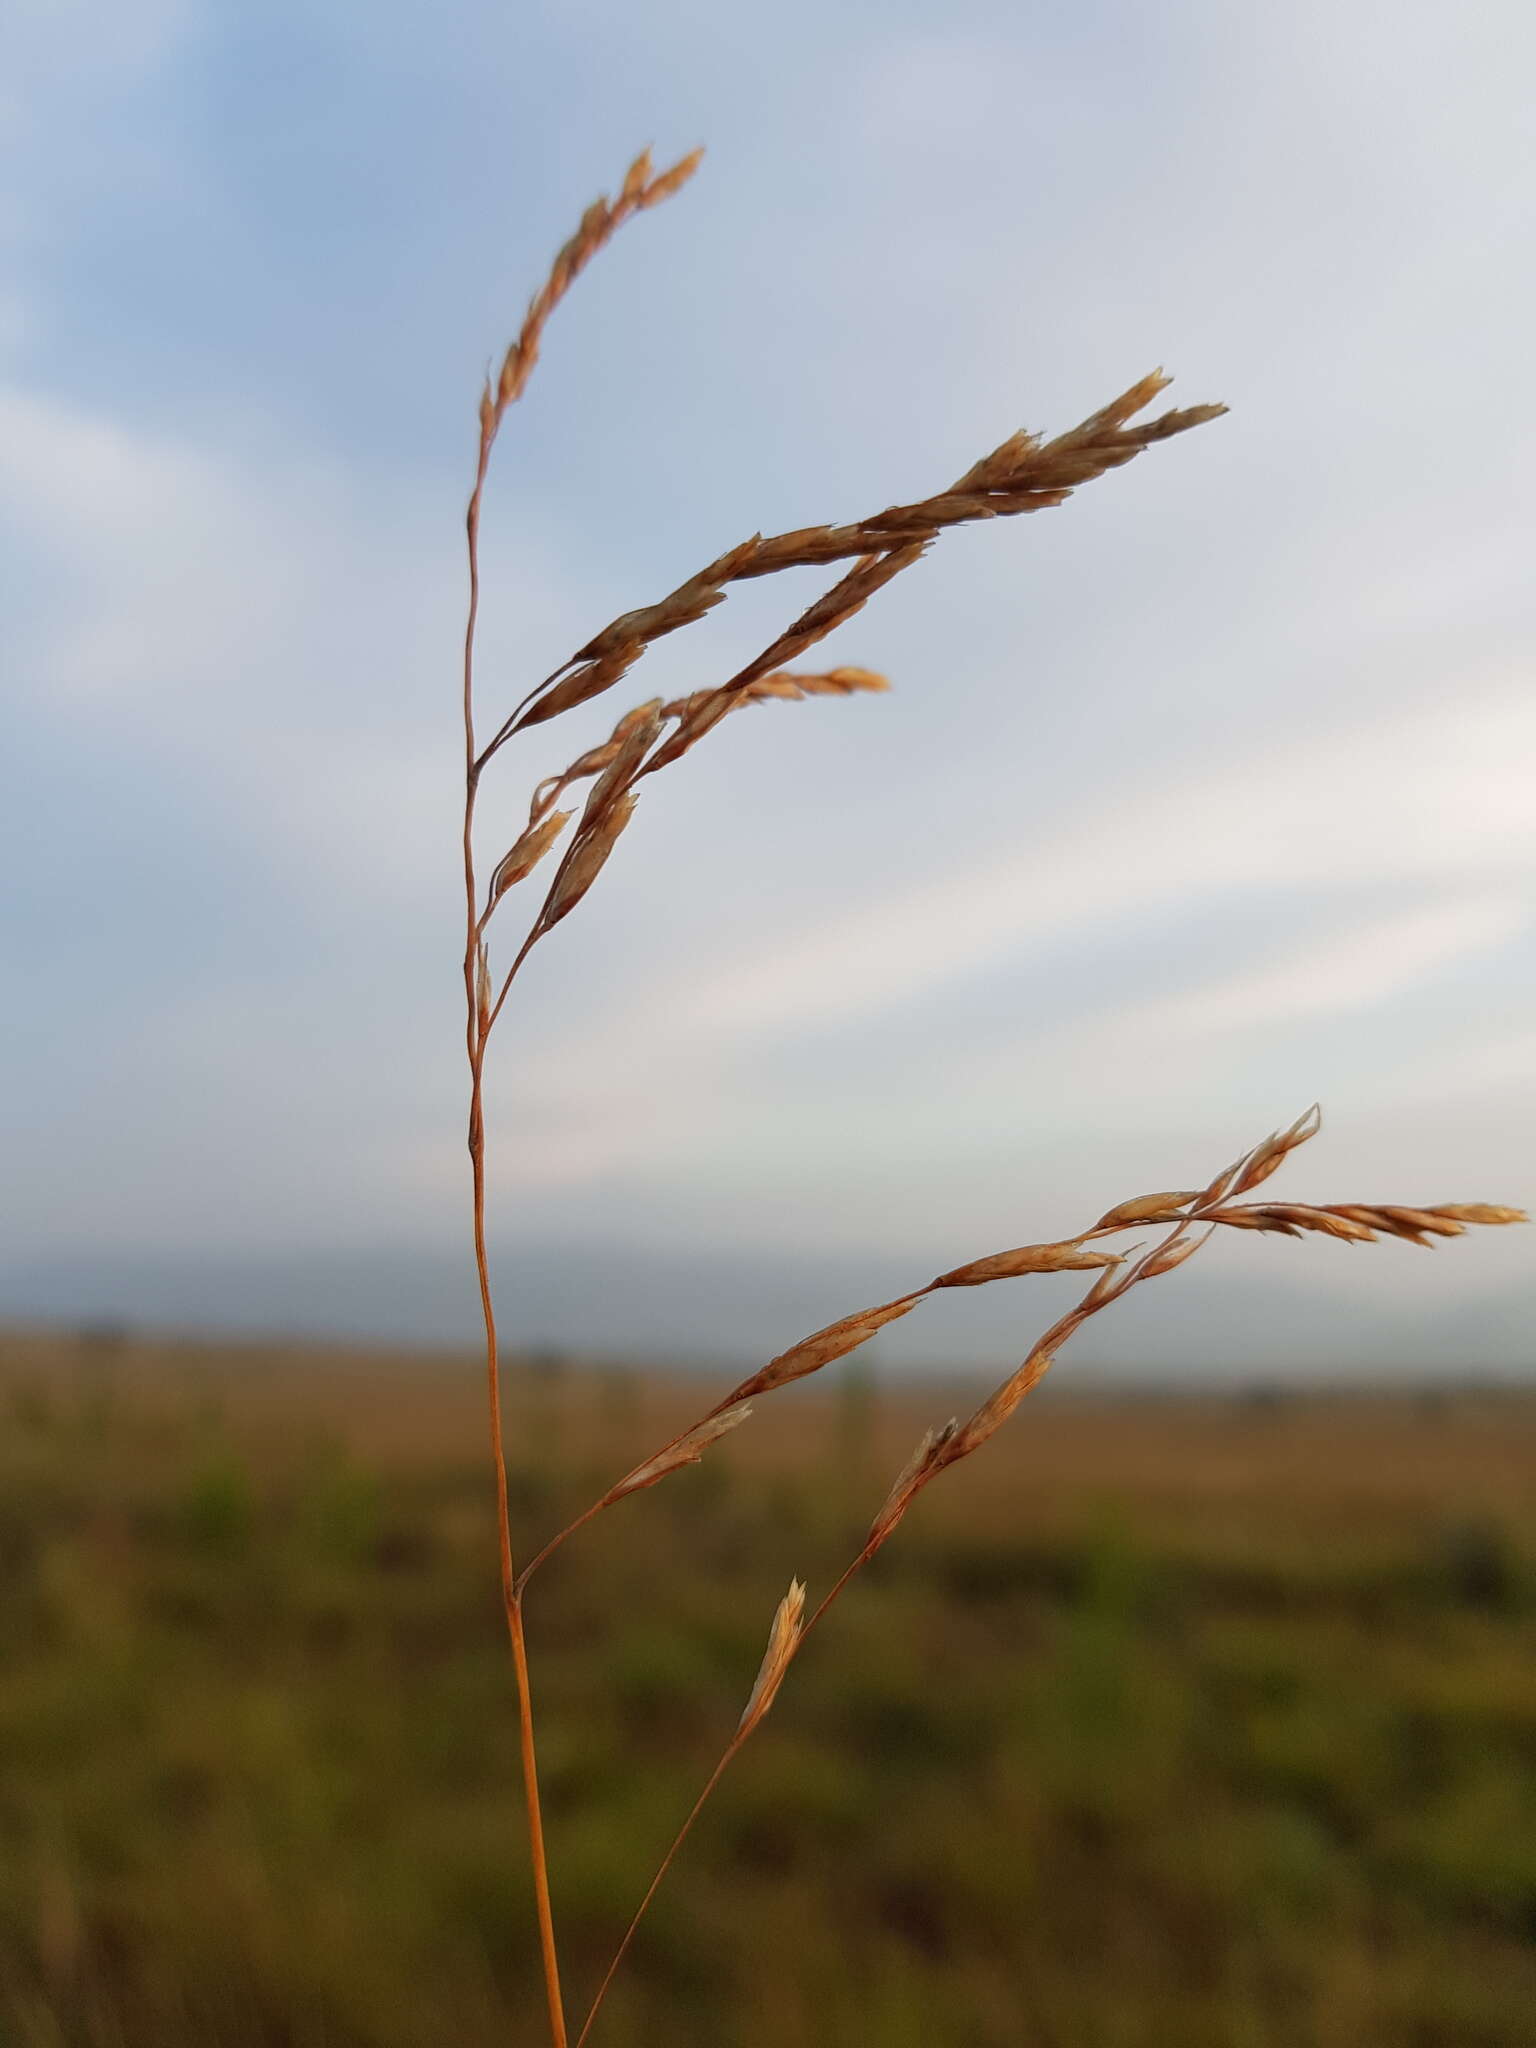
point(475, 1040)
point(666, 1864)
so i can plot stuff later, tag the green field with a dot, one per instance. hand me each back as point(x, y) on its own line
point(1170, 1724)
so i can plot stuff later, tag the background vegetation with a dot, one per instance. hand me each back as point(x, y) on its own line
point(1179, 1724)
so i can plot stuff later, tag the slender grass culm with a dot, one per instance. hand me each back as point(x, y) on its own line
point(1023, 474)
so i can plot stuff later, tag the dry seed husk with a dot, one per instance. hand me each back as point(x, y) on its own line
point(835, 1341)
point(1167, 1208)
point(1068, 1257)
point(783, 1641)
point(688, 1450)
point(584, 863)
point(527, 852)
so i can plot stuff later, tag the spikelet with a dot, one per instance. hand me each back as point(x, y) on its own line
point(1109, 1284)
point(1364, 1222)
point(1148, 1209)
point(671, 181)
point(835, 1341)
point(783, 1641)
point(790, 686)
point(1267, 1158)
point(584, 862)
point(1068, 1257)
point(909, 1481)
point(996, 1409)
point(591, 679)
point(688, 1450)
point(1167, 1256)
point(526, 854)
point(629, 752)
point(1480, 1212)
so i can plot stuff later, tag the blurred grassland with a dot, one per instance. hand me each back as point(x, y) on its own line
point(1167, 1724)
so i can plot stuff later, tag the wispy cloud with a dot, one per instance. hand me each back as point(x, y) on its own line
point(1257, 711)
point(1434, 795)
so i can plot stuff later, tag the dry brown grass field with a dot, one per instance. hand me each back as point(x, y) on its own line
point(1207, 1722)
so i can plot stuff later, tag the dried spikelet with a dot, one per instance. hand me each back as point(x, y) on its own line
point(1068, 1257)
point(783, 1641)
point(1325, 1223)
point(592, 762)
point(635, 179)
point(591, 679)
point(1267, 1158)
point(1363, 1222)
point(595, 759)
point(585, 861)
point(1148, 1209)
point(1170, 1255)
point(996, 1409)
point(1221, 1186)
point(840, 682)
point(909, 1480)
point(846, 597)
point(871, 573)
point(673, 180)
point(993, 470)
point(1479, 1212)
point(835, 1341)
point(1109, 1283)
point(679, 608)
point(630, 752)
point(686, 1451)
point(1427, 1220)
point(526, 853)
point(789, 685)
point(705, 711)
point(1112, 416)
point(1254, 1218)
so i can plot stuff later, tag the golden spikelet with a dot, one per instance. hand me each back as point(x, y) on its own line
point(783, 1641)
point(687, 1450)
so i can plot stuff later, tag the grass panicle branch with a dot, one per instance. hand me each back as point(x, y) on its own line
point(1187, 1209)
point(1024, 473)
point(947, 1445)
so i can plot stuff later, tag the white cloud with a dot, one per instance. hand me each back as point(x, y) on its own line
point(702, 1089)
point(1435, 795)
point(1003, 212)
point(1354, 968)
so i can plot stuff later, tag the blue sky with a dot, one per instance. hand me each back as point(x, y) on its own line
point(1199, 798)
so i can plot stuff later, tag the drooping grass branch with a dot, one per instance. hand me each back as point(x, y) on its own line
point(1195, 1217)
point(1215, 1206)
point(1023, 474)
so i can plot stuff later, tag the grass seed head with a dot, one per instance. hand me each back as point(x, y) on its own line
point(585, 861)
point(688, 1450)
point(783, 1641)
point(1148, 1209)
point(527, 852)
point(1068, 1257)
point(909, 1481)
point(835, 1341)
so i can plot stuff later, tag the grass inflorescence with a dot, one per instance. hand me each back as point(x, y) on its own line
point(1024, 473)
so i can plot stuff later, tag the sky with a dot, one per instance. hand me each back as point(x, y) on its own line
point(1202, 797)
